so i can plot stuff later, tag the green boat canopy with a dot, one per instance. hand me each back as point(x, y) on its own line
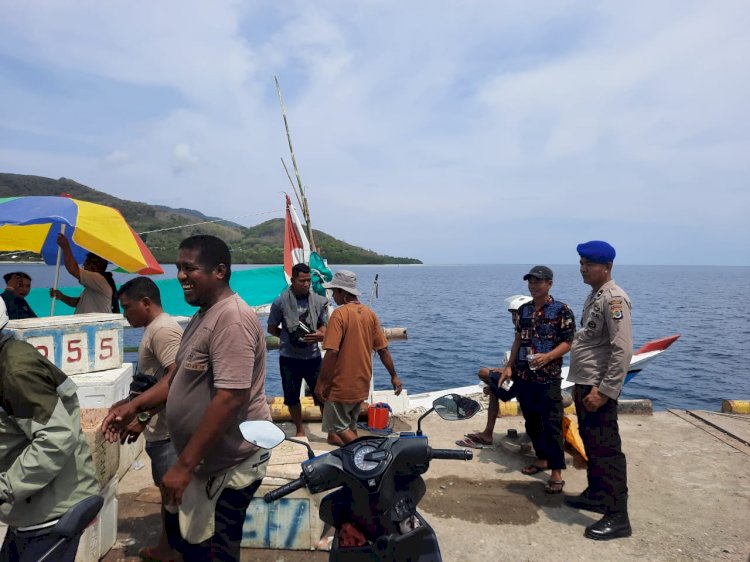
point(258, 287)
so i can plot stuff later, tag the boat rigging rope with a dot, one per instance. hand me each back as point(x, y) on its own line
point(213, 221)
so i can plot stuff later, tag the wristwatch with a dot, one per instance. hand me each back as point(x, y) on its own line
point(143, 417)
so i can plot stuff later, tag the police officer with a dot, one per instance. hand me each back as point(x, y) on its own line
point(599, 361)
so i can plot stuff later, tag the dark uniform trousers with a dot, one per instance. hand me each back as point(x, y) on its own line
point(607, 470)
point(541, 405)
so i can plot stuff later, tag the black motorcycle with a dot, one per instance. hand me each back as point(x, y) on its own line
point(374, 511)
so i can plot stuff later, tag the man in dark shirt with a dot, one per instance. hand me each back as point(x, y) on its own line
point(298, 318)
point(18, 285)
point(544, 333)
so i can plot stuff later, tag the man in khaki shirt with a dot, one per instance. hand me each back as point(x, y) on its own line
point(141, 305)
point(599, 360)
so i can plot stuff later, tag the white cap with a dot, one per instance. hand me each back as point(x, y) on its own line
point(515, 302)
point(3, 314)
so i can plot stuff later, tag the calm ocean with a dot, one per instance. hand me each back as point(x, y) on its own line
point(457, 322)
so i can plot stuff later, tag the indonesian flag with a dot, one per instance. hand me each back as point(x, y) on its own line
point(296, 244)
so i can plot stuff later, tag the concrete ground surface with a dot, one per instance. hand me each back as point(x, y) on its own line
point(689, 499)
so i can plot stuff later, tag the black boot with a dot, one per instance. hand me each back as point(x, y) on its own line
point(612, 526)
point(585, 501)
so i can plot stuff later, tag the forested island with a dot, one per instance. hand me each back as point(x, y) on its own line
point(261, 244)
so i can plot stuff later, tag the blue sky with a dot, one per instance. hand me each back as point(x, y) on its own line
point(454, 132)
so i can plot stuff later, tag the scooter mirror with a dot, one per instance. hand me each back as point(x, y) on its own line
point(262, 433)
point(455, 407)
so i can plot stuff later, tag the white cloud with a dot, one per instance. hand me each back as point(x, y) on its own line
point(183, 158)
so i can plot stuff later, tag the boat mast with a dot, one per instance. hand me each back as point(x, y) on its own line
point(301, 195)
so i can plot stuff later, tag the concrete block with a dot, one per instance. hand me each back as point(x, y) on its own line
point(76, 344)
point(290, 523)
point(101, 389)
point(106, 456)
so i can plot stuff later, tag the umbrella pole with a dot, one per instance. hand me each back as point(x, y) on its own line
point(57, 272)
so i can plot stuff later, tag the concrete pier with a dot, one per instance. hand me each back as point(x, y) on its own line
point(689, 497)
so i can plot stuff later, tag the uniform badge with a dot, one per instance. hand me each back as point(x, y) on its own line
point(615, 309)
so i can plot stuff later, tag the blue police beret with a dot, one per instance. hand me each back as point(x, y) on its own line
point(596, 251)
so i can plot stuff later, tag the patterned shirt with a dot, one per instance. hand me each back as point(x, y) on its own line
point(542, 331)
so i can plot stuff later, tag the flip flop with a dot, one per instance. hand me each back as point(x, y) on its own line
point(477, 438)
point(466, 442)
point(532, 469)
point(554, 486)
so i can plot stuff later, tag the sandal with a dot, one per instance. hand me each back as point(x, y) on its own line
point(466, 442)
point(554, 486)
point(533, 469)
point(479, 438)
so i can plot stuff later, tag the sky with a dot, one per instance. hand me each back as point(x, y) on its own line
point(463, 131)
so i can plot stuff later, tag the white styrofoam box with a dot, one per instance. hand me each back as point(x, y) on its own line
point(3, 530)
point(100, 536)
point(108, 518)
point(76, 344)
point(399, 404)
point(101, 389)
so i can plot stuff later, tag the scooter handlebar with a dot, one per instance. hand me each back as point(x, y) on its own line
point(284, 490)
point(452, 454)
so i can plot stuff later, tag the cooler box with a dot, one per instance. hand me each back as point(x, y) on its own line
point(101, 389)
point(76, 344)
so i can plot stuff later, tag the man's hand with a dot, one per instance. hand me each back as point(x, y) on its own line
point(131, 433)
point(505, 375)
point(62, 241)
point(397, 386)
point(55, 294)
point(321, 393)
point(594, 400)
point(174, 483)
point(116, 423)
point(314, 337)
point(540, 360)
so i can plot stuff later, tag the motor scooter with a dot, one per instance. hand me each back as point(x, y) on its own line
point(374, 511)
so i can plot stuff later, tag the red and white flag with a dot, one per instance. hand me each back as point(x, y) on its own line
point(296, 244)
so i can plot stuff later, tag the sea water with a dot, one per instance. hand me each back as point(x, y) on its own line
point(456, 322)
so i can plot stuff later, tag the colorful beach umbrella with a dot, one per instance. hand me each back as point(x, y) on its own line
point(32, 223)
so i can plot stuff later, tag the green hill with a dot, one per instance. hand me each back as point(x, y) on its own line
point(258, 244)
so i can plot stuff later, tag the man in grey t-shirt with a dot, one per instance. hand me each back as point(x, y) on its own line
point(219, 382)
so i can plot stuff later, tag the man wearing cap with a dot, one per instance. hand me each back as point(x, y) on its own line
point(544, 333)
point(352, 335)
point(599, 361)
point(45, 462)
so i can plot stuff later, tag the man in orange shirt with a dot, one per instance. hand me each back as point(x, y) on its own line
point(353, 333)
